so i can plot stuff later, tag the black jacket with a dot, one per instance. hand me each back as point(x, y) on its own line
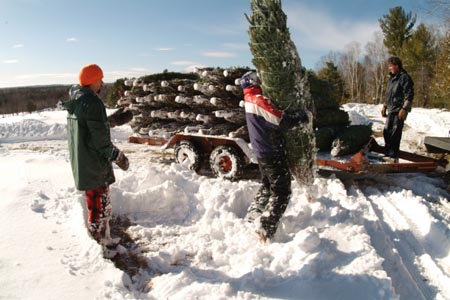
point(400, 88)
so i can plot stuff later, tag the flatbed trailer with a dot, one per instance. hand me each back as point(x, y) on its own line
point(371, 159)
point(436, 144)
point(228, 156)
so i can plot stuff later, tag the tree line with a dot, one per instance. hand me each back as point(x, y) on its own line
point(34, 98)
point(424, 50)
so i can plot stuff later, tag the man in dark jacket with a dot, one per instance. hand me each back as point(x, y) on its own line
point(91, 150)
point(399, 97)
point(265, 126)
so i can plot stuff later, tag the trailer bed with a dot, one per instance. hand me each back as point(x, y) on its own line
point(436, 144)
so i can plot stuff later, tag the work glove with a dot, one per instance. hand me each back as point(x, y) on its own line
point(383, 111)
point(402, 114)
point(120, 159)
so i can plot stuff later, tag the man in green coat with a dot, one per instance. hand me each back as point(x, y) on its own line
point(91, 150)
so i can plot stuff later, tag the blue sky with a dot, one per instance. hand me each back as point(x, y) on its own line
point(47, 41)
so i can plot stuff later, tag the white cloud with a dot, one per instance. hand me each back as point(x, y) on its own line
point(11, 61)
point(72, 40)
point(164, 49)
point(18, 46)
point(317, 30)
point(182, 63)
point(219, 54)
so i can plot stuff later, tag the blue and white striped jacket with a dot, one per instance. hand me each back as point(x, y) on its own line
point(265, 124)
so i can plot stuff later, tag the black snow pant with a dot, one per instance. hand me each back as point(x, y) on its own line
point(273, 196)
point(392, 134)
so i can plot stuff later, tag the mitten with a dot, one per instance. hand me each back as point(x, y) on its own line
point(402, 114)
point(383, 111)
point(122, 161)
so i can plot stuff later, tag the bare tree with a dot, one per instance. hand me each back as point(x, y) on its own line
point(440, 7)
point(376, 67)
point(351, 70)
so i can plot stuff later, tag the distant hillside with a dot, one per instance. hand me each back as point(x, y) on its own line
point(28, 99)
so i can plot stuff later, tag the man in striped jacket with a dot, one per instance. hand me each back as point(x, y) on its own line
point(266, 125)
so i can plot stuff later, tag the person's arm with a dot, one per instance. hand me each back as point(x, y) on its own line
point(408, 90)
point(290, 120)
point(100, 136)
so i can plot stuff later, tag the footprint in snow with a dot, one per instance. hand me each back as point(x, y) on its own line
point(38, 205)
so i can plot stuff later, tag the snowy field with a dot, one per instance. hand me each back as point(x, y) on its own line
point(366, 237)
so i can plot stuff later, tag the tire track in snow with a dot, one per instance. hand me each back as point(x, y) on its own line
point(417, 261)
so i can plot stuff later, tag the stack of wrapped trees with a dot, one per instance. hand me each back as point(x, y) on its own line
point(206, 103)
point(332, 130)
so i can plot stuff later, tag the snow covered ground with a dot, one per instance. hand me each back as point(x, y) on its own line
point(365, 237)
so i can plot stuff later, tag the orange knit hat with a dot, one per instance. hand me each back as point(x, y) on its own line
point(90, 74)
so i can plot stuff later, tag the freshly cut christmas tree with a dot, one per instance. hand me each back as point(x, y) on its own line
point(284, 80)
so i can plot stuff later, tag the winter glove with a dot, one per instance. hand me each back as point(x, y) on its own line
point(119, 158)
point(383, 111)
point(402, 114)
point(122, 161)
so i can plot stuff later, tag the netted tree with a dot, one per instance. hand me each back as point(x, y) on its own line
point(284, 80)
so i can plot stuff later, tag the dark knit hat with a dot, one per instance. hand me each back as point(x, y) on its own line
point(90, 74)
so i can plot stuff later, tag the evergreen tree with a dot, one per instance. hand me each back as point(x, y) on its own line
point(284, 80)
point(419, 60)
point(397, 28)
point(440, 87)
point(115, 92)
point(331, 74)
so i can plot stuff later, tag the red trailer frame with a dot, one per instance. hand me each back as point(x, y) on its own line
point(359, 163)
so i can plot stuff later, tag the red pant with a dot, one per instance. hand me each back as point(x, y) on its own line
point(99, 212)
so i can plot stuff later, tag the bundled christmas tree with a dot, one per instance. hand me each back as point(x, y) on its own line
point(283, 79)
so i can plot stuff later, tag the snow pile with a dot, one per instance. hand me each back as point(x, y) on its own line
point(366, 237)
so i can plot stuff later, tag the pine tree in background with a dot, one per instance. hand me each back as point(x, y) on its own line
point(397, 28)
point(440, 86)
point(283, 79)
point(420, 58)
point(331, 74)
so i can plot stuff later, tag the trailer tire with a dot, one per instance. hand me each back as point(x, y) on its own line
point(226, 162)
point(186, 150)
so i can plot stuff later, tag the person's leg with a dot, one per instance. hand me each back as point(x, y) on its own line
point(280, 191)
point(106, 214)
point(261, 199)
point(396, 136)
point(99, 213)
point(387, 134)
point(94, 206)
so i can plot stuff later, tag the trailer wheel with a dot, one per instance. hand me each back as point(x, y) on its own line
point(226, 162)
point(186, 153)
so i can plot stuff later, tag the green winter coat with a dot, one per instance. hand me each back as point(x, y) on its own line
point(89, 138)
